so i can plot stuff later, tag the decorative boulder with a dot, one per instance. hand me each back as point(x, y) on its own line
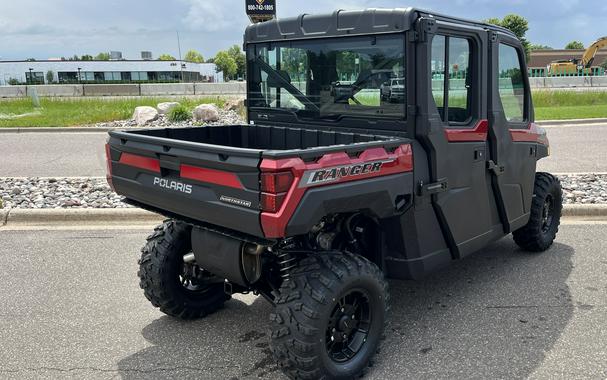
point(144, 115)
point(234, 104)
point(206, 113)
point(166, 107)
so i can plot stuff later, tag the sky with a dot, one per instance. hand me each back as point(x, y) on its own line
point(46, 29)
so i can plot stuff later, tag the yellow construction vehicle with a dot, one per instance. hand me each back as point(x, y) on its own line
point(581, 66)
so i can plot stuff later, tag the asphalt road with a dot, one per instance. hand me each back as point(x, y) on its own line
point(52, 154)
point(72, 308)
point(574, 149)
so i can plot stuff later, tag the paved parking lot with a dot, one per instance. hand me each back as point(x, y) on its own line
point(72, 308)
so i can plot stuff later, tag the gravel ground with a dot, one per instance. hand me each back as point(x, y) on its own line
point(95, 193)
point(58, 193)
point(225, 117)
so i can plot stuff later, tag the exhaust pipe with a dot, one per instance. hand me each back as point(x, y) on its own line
point(189, 258)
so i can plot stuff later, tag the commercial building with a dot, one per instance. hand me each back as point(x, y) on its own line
point(540, 59)
point(119, 71)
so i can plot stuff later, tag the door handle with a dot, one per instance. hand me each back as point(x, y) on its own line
point(496, 169)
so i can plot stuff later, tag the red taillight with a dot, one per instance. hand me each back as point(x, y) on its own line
point(274, 188)
point(276, 182)
point(108, 161)
point(272, 202)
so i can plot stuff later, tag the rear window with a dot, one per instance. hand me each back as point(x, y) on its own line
point(328, 79)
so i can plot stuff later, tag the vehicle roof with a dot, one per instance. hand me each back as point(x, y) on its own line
point(342, 23)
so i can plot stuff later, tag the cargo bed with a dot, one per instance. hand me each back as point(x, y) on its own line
point(213, 174)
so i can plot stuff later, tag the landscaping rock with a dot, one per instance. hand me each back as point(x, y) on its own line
point(144, 115)
point(95, 193)
point(166, 107)
point(234, 105)
point(206, 113)
point(225, 117)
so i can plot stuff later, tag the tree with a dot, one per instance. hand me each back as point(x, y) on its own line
point(87, 57)
point(102, 57)
point(226, 63)
point(604, 64)
point(574, 45)
point(540, 47)
point(193, 56)
point(517, 25)
point(50, 76)
point(31, 60)
point(166, 57)
point(211, 60)
point(241, 61)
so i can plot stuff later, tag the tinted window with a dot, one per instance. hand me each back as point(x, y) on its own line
point(438, 73)
point(511, 83)
point(357, 76)
point(459, 65)
point(451, 84)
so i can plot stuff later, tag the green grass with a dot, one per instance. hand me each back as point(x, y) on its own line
point(549, 105)
point(570, 112)
point(55, 112)
point(562, 105)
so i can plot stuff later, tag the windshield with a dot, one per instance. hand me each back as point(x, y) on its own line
point(328, 79)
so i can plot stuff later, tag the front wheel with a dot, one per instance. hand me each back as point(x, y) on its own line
point(329, 317)
point(539, 233)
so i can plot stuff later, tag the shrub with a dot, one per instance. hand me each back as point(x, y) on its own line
point(179, 113)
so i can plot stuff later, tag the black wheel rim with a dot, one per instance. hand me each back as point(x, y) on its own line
point(348, 326)
point(194, 279)
point(547, 213)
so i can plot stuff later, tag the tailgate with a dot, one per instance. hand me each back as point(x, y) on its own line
point(209, 183)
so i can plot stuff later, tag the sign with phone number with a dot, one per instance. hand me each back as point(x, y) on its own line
point(261, 7)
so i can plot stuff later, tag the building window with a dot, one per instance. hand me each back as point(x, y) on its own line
point(67, 77)
point(34, 77)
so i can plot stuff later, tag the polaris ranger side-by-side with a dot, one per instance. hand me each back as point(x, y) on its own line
point(333, 186)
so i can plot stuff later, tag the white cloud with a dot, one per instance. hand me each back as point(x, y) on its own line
point(208, 16)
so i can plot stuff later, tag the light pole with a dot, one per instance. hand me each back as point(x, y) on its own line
point(79, 74)
point(31, 80)
point(180, 62)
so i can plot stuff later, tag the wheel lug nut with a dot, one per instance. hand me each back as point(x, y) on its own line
point(342, 309)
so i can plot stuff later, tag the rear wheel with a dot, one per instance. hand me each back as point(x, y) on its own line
point(539, 233)
point(329, 317)
point(178, 288)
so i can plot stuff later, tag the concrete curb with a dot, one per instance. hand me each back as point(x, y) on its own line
point(551, 123)
point(134, 216)
point(50, 217)
point(66, 129)
point(585, 210)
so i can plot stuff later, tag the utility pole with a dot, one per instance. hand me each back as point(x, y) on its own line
point(180, 62)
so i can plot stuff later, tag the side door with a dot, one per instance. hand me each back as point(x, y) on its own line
point(513, 141)
point(453, 128)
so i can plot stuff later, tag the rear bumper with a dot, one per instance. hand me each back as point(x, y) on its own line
point(202, 205)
